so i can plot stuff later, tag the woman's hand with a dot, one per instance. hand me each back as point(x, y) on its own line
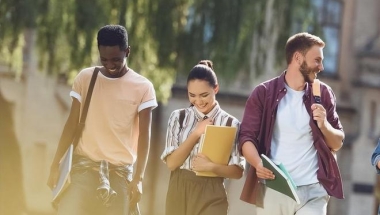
point(201, 126)
point(201, 163)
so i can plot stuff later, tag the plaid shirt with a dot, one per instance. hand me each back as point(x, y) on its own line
point(105, 191)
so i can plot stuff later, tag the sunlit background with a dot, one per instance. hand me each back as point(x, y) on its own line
point(45, 43)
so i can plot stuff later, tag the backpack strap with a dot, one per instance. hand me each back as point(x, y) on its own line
point(229, 121)
point(181, 118)
point(317, 91)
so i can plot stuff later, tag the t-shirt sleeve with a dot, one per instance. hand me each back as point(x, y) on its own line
point(149, 98)
point(76, 90)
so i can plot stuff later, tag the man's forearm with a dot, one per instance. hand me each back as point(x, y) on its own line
point(251, 154)
point(65, 141)
point(333, 137)
point(142, 158)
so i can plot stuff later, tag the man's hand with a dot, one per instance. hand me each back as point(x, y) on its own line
point(135, 192)
point(53, 177)
point(319, 115)
point(263, 172)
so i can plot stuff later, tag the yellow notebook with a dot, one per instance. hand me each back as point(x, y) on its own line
point(216, 144)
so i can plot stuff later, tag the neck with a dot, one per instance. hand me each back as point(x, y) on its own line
point(294, 79)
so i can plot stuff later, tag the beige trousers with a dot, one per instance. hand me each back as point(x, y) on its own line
point(313, 197)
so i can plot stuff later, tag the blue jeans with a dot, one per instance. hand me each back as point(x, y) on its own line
point(80, 198)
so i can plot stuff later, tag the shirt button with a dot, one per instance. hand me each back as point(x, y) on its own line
point(277, 99)
point(284, 89)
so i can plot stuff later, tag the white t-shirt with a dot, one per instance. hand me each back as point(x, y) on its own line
point(111, 128)
point(292, 141)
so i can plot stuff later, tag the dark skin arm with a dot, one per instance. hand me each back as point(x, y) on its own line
point(135, 187)
point(64, 142)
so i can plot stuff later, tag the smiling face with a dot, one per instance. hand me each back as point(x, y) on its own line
point(114, 60)
point(312, 63)
point(202, 95)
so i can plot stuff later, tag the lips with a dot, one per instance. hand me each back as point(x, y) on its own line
point(201, 106)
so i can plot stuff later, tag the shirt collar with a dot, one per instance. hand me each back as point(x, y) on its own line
point(282, 83)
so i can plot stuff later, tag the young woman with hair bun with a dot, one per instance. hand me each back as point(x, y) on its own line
point(187, 193)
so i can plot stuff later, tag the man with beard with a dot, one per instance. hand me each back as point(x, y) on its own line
point(283, 121)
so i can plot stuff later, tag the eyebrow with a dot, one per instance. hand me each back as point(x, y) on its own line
point(114, 58)
point(205, 93)
point(319, 58)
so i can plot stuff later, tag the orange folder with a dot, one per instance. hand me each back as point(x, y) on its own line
point(216, 143)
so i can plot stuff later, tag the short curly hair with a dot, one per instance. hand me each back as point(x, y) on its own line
point(113, 35)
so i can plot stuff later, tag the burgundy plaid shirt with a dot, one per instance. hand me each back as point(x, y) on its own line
point(258, 123)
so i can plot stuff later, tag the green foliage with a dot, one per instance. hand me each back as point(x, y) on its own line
point(12, 24)
point(166, 37)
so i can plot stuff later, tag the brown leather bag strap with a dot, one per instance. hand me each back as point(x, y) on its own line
point(83, 117)
point(229, 121)
point(181, 118)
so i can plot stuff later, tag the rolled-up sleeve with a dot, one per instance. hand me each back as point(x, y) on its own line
point(250, 125)
point(172, 133)
point(77, 88)
point(332, 115)
point(236, 157)
point(149, 98)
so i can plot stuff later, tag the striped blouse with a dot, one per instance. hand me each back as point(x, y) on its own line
point(175, 136)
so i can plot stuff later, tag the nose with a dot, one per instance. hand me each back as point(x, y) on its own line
point(108, 64)
point(320, 67)
point(198, 101)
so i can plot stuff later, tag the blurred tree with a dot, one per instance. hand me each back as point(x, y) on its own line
point(242, 37)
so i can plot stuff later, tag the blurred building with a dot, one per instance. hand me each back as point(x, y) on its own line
point(352, 69)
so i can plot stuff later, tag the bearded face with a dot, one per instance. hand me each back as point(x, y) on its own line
point(308, 73)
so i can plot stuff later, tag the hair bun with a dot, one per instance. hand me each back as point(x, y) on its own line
point(207, 63)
